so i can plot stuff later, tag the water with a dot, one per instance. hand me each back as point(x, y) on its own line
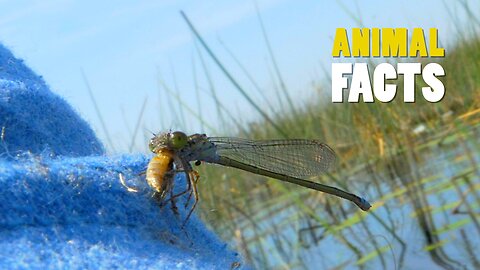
point(438, 180)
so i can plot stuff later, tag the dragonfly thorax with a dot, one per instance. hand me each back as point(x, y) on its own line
point(198, 147)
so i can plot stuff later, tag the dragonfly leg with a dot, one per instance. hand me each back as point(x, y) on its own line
point(189, 188)
point(159, 197)
point(174, 196)
point(193, 178)
point(187, 202)
point(172, 203)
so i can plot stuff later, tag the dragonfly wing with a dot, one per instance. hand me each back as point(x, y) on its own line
point(297, 157)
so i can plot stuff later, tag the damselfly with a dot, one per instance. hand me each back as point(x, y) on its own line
point(285, 160)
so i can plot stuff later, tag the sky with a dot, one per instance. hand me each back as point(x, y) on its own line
point(128, 52)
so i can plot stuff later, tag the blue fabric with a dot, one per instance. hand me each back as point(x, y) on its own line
point(32, 118)
point(62, 205)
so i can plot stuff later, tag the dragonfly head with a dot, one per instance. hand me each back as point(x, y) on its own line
point(170, 140)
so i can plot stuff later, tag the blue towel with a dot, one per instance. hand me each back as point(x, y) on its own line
point(62, 205)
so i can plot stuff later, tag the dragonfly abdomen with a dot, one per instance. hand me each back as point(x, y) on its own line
point(359, 201)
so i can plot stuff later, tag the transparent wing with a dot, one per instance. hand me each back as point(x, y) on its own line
point(297, 158)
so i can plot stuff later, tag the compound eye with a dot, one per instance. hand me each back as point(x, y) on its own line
point(178, 139)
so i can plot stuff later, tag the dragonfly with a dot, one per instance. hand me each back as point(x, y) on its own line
point(289, 160)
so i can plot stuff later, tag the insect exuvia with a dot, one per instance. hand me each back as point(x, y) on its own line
point(160, 172)
point(285, 160)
